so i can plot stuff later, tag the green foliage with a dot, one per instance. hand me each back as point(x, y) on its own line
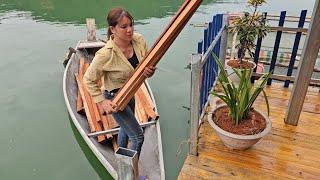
point(240, 98)
point(248, 27)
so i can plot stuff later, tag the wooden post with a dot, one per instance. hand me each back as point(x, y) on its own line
point(224, 38)
point(91, 26)
point(305, 69)
point(195, 103)
point(127, 164)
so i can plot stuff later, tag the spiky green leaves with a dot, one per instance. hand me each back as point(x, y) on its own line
point(240, 98)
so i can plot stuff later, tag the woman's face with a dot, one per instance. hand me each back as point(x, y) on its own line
point(124, 29)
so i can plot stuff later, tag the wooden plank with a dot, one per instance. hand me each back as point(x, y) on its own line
point(285, 64)
point(96, 111)
point(91, 44)
point(285, 94)
point(278, 86)
point(261, 155)
point(80, 75)
point(283, 103)
point(147, 95)
point(276, 45)
point(105, 122)
point(309, 54)
point(288, 20)
point(106, 125)
point(140, 112)
point(288, 16)
point(205, 168)
point(112, 122)
point(114, 144)
point(275, 166)
point(312, 99)
point(89, 112)
point(289, 29)
point(152, 58)
point(146, 104)
point(295, 46)
point(288, 152)
point(88, 105)
point(278, 77)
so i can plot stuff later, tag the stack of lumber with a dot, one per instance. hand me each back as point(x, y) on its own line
point(144, 107)
point(156, 52)
point(97, 120)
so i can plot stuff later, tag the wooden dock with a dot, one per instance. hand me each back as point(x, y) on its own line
point(288, 152)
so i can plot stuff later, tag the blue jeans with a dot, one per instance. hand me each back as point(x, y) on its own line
point(129, 126)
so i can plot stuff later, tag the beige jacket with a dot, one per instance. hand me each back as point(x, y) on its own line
point(111, 63)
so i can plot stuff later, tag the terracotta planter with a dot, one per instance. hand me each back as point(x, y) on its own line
point(232, 75)
point(235, 141)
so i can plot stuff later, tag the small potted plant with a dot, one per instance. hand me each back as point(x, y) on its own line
point(248, 28)
point(237, 123)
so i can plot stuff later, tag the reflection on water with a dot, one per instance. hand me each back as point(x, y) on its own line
point(95, 163)
point(75, 11)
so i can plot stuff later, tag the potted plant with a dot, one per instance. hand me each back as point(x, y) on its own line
point(248, 28)
point(237, 123)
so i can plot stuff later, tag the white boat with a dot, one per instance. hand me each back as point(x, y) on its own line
point(151, 157)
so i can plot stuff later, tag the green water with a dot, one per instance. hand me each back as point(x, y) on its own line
point(37, 139)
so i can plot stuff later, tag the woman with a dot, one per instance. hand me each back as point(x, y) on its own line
point(116, 61)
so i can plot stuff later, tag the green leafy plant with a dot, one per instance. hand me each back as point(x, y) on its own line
point(248, 27)
point(240, 98)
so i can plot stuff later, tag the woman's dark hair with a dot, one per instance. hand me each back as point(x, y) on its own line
point(116, 14)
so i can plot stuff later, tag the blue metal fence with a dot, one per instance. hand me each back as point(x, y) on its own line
point(286, 72)
point(209, 67)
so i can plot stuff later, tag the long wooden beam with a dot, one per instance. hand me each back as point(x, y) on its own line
point(313, 81)
point(176, 25)
point(305, 70)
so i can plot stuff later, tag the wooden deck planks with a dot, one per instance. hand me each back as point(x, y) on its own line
point(288, 152)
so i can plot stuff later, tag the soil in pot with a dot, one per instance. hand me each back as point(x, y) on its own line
point(240, 64)
point(253, 124)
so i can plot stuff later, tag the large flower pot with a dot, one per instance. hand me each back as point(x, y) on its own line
point(232, 75)
point(235, 141)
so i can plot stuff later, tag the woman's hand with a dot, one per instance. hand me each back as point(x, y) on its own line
point(107, 106)
point(149, 71)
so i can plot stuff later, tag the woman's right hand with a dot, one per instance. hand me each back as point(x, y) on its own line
point(107, 106)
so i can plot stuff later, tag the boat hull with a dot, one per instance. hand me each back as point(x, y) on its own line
point(151, 159)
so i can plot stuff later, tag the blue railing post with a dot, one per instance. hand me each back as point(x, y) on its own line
point(224, 40)
point(276, 45)
point(295, 46)
point(208, 66)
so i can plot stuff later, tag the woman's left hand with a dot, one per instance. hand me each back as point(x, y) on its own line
point(149, 71)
